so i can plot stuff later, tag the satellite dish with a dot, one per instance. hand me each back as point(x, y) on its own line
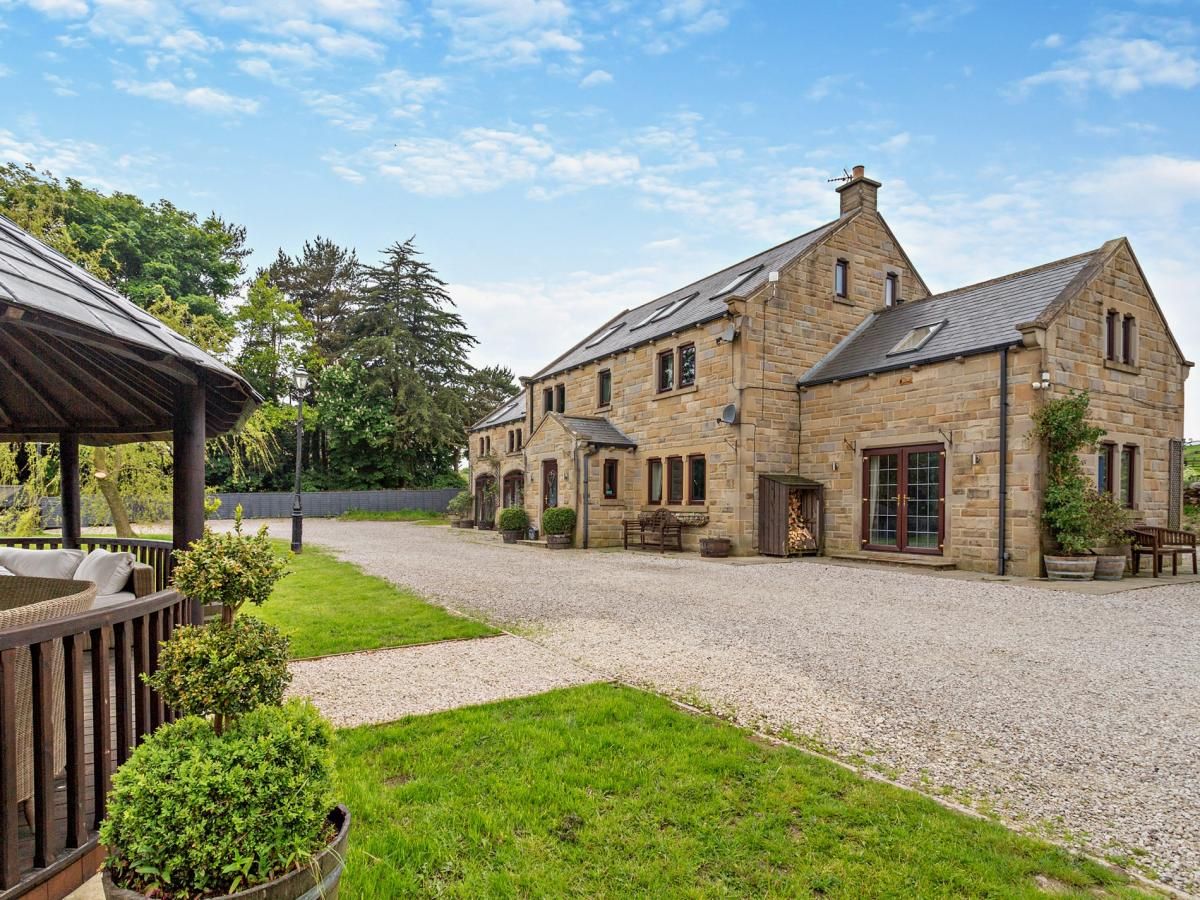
point(729, 415)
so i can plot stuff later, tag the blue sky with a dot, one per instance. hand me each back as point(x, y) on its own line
point(558, 160)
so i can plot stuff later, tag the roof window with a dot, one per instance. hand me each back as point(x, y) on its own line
point(738, 281)
point(917, 338)
point(604, 335)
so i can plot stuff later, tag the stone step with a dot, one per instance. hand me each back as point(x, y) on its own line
point(914, 560)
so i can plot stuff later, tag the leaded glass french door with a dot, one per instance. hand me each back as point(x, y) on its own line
point(904, 499)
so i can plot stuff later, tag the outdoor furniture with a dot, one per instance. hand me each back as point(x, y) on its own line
point(659, 529)
point(1159, 543)
point(29, 601)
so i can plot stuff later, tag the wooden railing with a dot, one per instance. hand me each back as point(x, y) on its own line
point(107, 709)
point(156, 554)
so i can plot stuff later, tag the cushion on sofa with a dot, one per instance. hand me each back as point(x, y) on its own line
point(41, 563)
point(110, 571)
point(4, 571)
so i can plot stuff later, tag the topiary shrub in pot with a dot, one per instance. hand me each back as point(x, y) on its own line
point(558, 522)
point(1063, 427)
point(460, 507)
point(513, 522)
point(1111, 522)
point(193, 813)
point(236, 797)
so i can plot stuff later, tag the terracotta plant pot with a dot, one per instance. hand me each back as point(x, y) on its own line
point(1070, 568)
point(511, 537)
point(715, 547)
point(1110, 566)
point(558, 541)
point(319, 879)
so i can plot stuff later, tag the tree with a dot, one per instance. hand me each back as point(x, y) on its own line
point(144, 251)
point(413, 349)
point(324, 281)
point(486, 389)
point(276, 338)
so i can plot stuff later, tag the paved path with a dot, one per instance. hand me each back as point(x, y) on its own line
point(1072, 712)
point(385, 685)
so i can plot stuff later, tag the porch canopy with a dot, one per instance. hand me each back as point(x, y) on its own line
point(79, 363)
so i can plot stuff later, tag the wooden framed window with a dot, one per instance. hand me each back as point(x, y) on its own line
point(841, 278)
point(904, 499)
point(1128, 496)
point(481, 450)
point(654, 481)
point(560, 397)
point(891, 289)
point(687, 365)
point(604, 388)
point(697, 468)
point(520, 439)
point(1110, 336)
point(665, 379)
point(1129, 340)
point(611, 471)
point(675, 480)
point(1106, 468)
point(512, 440)
point(548, 400)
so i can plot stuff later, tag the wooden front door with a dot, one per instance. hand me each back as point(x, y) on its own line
point(549, 483)
point(904, 499)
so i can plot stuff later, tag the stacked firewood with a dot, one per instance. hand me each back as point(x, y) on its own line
point(800, 533)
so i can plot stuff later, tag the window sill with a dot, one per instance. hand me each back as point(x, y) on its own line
point(1122, 367)
point(675, 392)
point(607, 407)
point(845, 301)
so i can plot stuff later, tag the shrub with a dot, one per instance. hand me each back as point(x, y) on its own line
point(223, 669)
point(1110, 520)
point(460, 505)
point(230, 569)
point(513, 518)
point(1063, 427)
point(195, 813)
point(558, 520)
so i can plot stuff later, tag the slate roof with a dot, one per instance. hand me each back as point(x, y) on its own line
point(510, 410)
point(597, 431)
point(976, 319)
point(706, 301)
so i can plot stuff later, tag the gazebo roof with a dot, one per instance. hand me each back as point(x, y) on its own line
point(76, 356)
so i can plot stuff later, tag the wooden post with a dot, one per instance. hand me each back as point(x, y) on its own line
point(188, 484)
point(68, 473)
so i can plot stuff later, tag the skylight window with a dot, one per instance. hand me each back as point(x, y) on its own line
point(604, 335)
point(672, 308)
point(917, 338)
point(737, 282)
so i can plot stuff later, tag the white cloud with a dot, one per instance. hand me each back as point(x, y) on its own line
point(405, 94)
point(1126, 55)
point(189, 42)
point(934, 16)
point(595, 78)
point(60, 9)
point(384, 17)
point(341, 111)
point(896, 142)
point(825, 86)
point(90, 162)
point(1050, 42)
point(694, 16)
point(204, 99)
point(300, 56)
point(62, 86)
point(506, 32)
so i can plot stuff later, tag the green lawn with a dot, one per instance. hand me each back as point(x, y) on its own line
point(421, 516)
point(329, 606)
point(603, 791)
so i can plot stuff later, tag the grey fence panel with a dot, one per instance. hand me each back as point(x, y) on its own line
point(278, 505)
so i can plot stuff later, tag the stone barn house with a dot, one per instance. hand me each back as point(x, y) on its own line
point(824, 367)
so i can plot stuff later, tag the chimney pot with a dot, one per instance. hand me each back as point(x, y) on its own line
point(860, 192)
point(860, 171)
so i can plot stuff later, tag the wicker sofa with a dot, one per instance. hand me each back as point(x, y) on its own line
point(28, 601)
point(66, 563)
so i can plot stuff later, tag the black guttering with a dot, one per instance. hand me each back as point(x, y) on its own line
point(925, 361)
point(1002, 555)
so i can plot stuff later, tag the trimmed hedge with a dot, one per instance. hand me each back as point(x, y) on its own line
point(558, 520)
point(513, 518)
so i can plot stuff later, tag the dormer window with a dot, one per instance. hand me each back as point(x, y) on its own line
point(841, 278)
point(891, 290)
point(917, 338)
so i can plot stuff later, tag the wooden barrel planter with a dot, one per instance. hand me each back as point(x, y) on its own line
point(463, 523)
point(1070, 568)
point(1110, 567)
point(511, 537)
point(316, 881)
point(558, 541)
point(715, 547)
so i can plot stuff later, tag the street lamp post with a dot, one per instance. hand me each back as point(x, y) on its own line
point(300, 382)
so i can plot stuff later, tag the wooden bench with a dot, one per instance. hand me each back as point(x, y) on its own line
point(659, 529)
point(1158, 543)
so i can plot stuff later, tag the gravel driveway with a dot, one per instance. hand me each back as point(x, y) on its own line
point(1059, 711)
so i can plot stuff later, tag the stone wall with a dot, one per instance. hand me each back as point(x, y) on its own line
point(499, 462)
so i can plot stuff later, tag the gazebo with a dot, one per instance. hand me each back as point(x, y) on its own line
point(82, 365)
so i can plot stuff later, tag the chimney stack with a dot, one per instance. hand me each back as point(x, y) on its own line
point(860, 192)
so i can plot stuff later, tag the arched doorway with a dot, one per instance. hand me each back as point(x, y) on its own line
point(485, 501)
point(513, 490)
